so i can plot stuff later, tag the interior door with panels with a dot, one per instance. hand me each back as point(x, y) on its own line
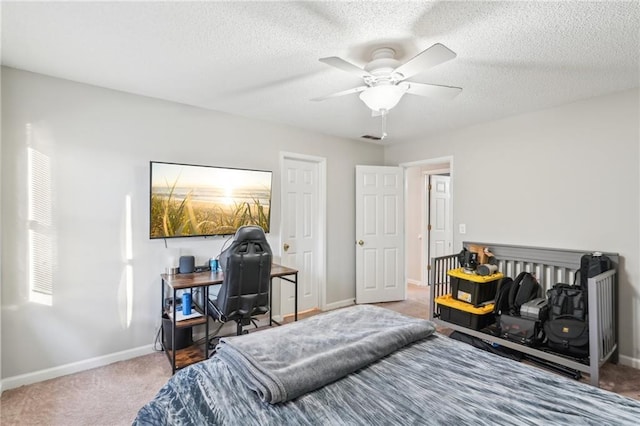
point(300, 232)
point(379, 234)
point(440, 229)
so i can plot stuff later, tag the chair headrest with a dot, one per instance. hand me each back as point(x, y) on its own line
point(249, 232)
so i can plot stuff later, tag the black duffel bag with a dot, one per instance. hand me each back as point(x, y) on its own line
point(568, 335)
point(521, 330)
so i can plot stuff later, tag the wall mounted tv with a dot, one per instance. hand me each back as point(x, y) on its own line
point(196, 201)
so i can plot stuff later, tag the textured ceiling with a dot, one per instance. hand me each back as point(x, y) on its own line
point(260, 59)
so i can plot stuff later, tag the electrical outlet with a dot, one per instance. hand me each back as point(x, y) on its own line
point(462, 228)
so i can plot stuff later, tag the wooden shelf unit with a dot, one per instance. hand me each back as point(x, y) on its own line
point(187, 356)
point(191, 322)
point(196, 352)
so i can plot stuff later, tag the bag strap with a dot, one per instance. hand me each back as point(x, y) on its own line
point(513, 291)
point(557, 306)
point(502, 294)
point(578, 310)
point(528, 290)
point(566, 300)
point(521, 291)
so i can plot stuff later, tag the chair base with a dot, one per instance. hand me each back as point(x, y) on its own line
point(240, 323)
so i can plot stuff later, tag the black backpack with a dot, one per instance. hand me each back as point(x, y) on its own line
point(567, 328)
point(501, 303)
point(525, 288)
point(567, 301)
point(591, 264)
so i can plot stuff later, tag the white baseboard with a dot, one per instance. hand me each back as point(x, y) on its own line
point(338, 304)
point(415, 282)
point(74, 367)
point(629, 362)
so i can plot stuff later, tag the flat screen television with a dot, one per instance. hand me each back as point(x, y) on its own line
point(197, 201)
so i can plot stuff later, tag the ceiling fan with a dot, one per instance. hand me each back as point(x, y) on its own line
point(385, 77)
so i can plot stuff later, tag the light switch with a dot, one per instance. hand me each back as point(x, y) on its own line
point(462, 228)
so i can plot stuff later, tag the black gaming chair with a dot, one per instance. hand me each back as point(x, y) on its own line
point(246, 265)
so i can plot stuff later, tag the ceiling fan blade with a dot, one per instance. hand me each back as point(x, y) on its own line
point(433, 90)
point(340, 63)
point(344, 92)
point(435, 55)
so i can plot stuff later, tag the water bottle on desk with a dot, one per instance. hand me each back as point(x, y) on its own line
point(213, 264)
point(186, 303)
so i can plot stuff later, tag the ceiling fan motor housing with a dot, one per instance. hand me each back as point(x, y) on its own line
point(382, 66)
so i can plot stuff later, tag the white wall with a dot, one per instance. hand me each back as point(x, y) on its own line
point(100, 143)
point(566, 177)
point(1, 286)
point(414, 181)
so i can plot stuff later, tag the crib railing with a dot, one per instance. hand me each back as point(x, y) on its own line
point(603, 333)
point(439, 279)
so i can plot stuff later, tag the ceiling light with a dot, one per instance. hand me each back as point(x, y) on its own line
point(383, 96)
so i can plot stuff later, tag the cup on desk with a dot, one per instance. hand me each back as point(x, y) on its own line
point(186, 303)
point(213, 264)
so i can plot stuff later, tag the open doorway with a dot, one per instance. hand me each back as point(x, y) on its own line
point(429, 215)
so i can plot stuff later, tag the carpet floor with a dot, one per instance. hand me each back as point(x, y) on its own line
point(112, 395)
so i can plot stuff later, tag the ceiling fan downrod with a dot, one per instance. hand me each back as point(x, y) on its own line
point(383, 132)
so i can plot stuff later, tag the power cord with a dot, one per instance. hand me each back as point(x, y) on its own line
point(224, 245)
point(157, 344)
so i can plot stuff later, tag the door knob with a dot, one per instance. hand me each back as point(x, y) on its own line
point(360, 242)
point(285, 246)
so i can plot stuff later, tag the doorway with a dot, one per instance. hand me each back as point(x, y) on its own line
point(429, 215)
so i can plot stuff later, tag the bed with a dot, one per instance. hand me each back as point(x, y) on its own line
point(370, 365)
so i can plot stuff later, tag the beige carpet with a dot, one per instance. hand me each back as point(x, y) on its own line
point(112, 395)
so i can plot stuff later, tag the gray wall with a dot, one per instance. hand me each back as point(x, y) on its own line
point(566, 177)
point(1, 286)
point(100, 143)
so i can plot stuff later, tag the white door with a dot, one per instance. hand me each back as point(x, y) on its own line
point(439, 220)
point(301, 239)
point(379, 234)
point(440, 229)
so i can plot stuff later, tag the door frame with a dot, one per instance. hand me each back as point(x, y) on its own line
point(424, 231)
point(321, 256)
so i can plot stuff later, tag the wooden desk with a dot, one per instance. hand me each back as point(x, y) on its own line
point(282, 272)
point(183, 357)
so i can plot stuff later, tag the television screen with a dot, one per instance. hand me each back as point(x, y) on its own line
point(191, 201)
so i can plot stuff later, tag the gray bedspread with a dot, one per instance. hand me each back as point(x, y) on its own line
point(434, 381)
point(283, 363)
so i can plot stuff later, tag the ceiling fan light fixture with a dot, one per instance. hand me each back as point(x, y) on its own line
point(383, 97)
